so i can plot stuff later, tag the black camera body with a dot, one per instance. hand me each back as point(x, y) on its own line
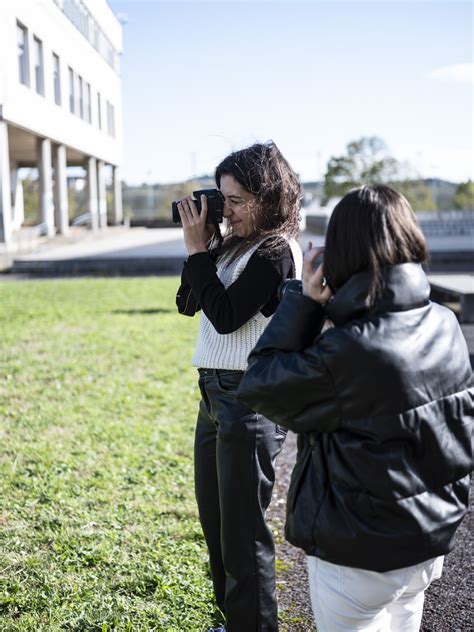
point(295, 286)
point(215, 206)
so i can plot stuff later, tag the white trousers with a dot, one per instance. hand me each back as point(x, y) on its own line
point(345, 599)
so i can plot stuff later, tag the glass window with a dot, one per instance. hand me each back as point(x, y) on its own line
point(72, 96)
point(39, 70)
point(81, 97)
point(80, 16)
point(87, 103)
point(99, 111)
point(110, 119)
point(57, 79)
point(76, 91)
point(23, 58)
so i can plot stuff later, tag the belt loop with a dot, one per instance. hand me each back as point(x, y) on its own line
point(207, 372)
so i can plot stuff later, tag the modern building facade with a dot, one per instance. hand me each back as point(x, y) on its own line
point(60, 106)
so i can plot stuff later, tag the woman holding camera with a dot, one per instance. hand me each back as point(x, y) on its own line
point(234, 283)
point(381, 403)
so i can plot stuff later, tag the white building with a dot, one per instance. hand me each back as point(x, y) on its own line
point(60, 106)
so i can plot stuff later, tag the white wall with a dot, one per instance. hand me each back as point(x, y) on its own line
point(23, 107)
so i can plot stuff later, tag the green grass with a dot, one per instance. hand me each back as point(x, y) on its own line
point(98, 524)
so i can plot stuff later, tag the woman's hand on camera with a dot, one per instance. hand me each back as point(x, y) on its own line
point(197, 234)
point(314, 283)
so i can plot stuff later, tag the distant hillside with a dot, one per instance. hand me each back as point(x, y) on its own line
point(442, 191)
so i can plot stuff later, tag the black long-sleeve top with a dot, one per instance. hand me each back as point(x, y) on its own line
point(228, 309)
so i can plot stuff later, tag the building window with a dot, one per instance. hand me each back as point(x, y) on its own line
point(23, 57)
point(76, 92)
point(81, 97)
point(72, 96)
point(79, 15)
point(99, 111)
point(87, 103)
point(57, 79)
point(39, 69)
point(110, 119)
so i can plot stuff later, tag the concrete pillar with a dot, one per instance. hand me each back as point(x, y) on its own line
point(5, 191)
point(13, 184)
point(61, 204)
point(117, 212)
point(46, 185)
point(92, 205)
point(102, 194)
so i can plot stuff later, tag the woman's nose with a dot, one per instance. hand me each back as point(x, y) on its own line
point(227, 212)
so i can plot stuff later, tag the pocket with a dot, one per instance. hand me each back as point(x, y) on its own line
point(373, 590)
point(301, 507)
point(298, 474)
point(228, 382)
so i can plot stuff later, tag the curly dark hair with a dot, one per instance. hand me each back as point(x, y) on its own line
point(263, 171)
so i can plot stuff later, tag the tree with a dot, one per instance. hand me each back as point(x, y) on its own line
point(417, 193)
point(366, 162)
point(464, 196)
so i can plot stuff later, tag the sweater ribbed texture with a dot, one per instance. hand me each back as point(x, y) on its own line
point(230, 351)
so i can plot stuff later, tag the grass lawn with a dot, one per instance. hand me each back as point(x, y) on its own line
point(98, 524)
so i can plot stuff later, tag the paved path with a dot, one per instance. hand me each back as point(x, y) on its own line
point(115, 243)
point(118, 250)
point(140, 250)
point(456, 282)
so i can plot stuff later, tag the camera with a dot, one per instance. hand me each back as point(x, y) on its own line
point(295, 286)
point(215, 206)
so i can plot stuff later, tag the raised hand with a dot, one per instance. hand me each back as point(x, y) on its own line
point(314, 283)
point(195, 230)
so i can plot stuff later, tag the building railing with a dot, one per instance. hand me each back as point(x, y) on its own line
point(80, 16)
point(448, 223)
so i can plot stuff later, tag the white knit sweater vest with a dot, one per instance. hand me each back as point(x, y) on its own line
point(230, 351)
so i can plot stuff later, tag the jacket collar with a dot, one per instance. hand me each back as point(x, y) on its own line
point(405, 287)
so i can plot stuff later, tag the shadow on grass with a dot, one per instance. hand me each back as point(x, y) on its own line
point(133, 312)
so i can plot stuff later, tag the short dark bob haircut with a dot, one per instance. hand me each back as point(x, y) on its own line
point(263, 171)
point(372, 227)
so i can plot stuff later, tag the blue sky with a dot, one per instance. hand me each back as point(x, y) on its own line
point(203, 78)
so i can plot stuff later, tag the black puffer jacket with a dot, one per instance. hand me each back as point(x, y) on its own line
point(382, 404)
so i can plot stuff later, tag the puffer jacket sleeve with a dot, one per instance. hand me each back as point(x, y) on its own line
point(287, 379)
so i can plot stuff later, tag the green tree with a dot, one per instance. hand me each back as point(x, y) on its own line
point(366, 162)
point(464, 196)
point(417, 193)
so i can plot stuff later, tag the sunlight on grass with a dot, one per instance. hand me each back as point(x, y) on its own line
point(98, 524)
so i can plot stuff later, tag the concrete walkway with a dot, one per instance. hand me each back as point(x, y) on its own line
point(129, 251)
point(117, 250)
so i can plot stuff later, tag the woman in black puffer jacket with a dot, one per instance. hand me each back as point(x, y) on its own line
point(382, 404)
